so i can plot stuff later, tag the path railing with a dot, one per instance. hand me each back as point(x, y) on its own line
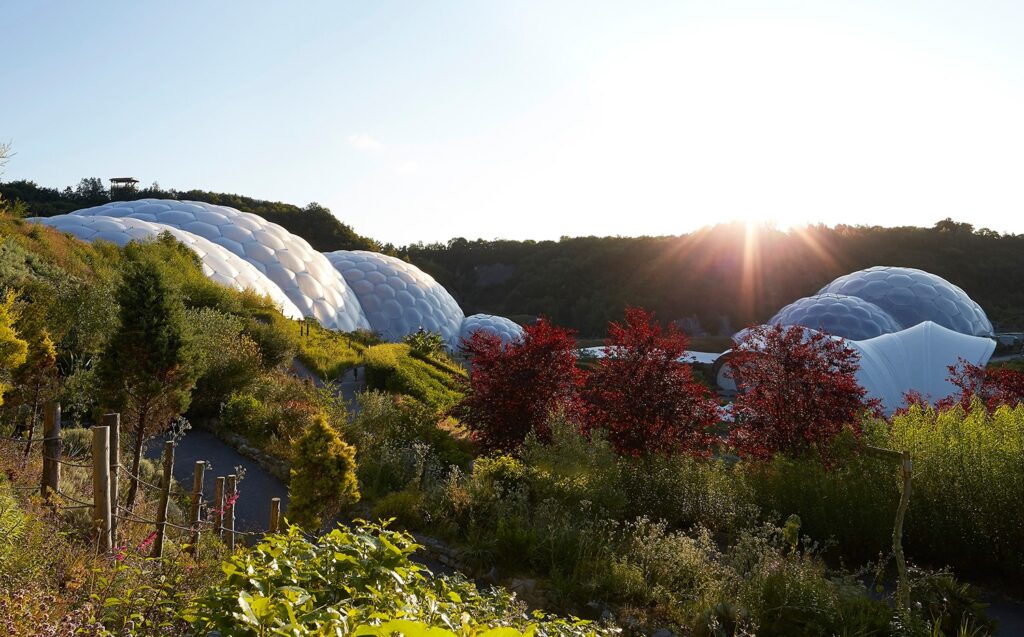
point(106, 473)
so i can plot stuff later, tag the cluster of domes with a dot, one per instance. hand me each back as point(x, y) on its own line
point(906, 326)
point(885, 300)
point(344, 290)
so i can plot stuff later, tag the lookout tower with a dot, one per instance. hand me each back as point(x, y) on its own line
point(121, 186)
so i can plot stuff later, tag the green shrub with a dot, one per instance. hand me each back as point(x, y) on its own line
point(323, 476)
point(968, 487)
point(849, 506)
point(76, 442)
point(393, 368)
point(350, 577)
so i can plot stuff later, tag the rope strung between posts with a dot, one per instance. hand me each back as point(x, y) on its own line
point(69, 464)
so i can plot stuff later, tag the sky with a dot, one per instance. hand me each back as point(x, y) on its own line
point(423, 121)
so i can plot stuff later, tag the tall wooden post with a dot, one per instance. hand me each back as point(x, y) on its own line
point(903, 586)
point(113, 423)
point(230, 491)
point(101, 487)
point(275, 514)
point(197, 502)
point(51, 449)
point(218, 507)
point(165, 495)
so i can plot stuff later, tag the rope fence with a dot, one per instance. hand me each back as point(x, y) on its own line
point(216, 515)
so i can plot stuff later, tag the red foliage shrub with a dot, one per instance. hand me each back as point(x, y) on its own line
point(797, 391)
point(643, 396)
point(993, 386)
point(513, 389)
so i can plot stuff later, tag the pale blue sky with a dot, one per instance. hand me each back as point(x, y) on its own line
point(428, 120)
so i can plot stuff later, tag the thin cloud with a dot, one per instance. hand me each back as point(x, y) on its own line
point(365, 142)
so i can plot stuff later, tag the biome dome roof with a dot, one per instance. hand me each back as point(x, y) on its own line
point(500, 326)
point(916, 359)
point(397, 297)
point(913, 296)
point(847, 316)
point(303, 274)
point(218, 264)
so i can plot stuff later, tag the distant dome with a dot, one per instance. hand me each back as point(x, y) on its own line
point(847, 316)
point(913, 296)
point(397, 297)
point(500, 326)
point(218, 264)
point(302, 273)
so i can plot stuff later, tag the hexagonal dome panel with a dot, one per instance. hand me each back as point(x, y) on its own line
point(218, 264)
point(397, 297)
point(837, 314)
point(913, 296)
point(303, 274)
point(500, 326)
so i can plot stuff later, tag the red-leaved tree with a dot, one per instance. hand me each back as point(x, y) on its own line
point(995, 387)
point(513, 389)
point(796, 391)
point(643, 396)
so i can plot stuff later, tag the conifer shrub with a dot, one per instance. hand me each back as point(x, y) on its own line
point(323, 476)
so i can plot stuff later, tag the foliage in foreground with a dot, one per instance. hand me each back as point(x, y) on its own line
point(353, 581)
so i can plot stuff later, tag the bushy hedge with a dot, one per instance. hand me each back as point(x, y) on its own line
point(393, 367)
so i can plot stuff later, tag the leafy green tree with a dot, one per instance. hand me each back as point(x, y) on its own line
point(147, 371)
point(323, 476)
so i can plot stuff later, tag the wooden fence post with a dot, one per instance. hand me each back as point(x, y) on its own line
point(101, 487)
point(113, 423)
point(903, 462)
point(903, 586)
point(197, 501)
point(218, 507)
point(275, 514)
point(165, 495)
point(51, 449)
point(230, 491)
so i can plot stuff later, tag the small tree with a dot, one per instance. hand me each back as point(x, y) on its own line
point(146, 370)
point(13, 349)
point(644, 396)
point(797, 391)
point(512, 389)
point(323, 476)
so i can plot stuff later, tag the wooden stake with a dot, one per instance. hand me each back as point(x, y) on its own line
point(230, 489)
point(197, 501)
point(218, 507)
point(275, 514)
point(903, 587)
point(113, 422)
point(51, 449)
point(165, 495)
point(101, 487)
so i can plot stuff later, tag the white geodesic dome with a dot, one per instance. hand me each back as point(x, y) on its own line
point(305, 276)
point(912, 296)
point(397, 297)
point(837, 314)
point(500, 326)
point(218, 264)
